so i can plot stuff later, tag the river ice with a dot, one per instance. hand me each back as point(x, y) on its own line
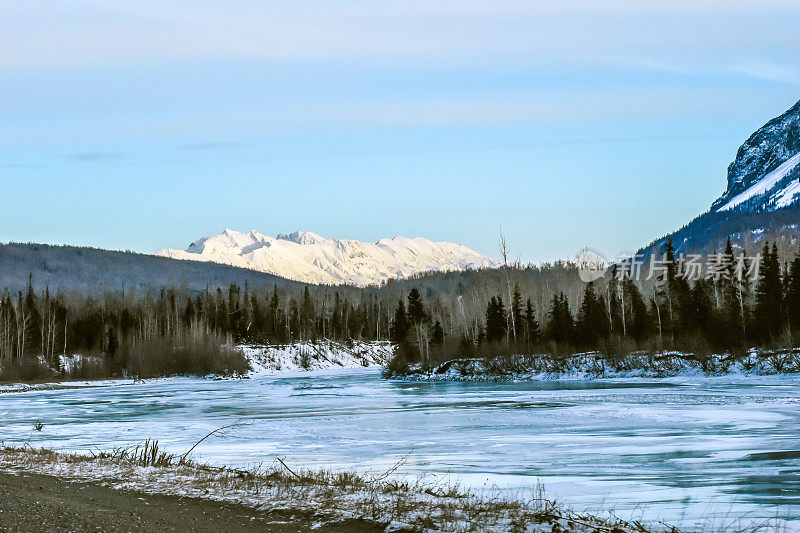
point(700, 452)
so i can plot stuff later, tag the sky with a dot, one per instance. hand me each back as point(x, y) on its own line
point(148, 124)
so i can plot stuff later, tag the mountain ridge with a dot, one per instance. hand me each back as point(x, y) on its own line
point(761, 200)
point(310, 258)
point(764, 175)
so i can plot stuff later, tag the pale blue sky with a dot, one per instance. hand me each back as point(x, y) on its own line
point(143, 125)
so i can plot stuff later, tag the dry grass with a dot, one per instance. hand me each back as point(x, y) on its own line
point(411, 504)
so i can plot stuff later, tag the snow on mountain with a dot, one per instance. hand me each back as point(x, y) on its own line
point(778, 198)
point(310, 258)
point(766, 172)
point(762, 198)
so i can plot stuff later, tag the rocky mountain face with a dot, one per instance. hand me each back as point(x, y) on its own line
point(766, 172)
point(762, 199)
point(309, 258)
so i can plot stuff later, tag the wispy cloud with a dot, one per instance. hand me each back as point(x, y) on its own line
point(43, 33)
point(211, 146)
point(20, 166)
point(92, 157)
point(770, 72)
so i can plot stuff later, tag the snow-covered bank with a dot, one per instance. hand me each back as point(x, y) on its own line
point(318, 355)
point(594, 365)
point(263, 360)
point(330, 497)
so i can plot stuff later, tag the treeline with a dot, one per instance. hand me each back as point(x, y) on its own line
point(432, 318)
point(172, 331)
point(728, 311)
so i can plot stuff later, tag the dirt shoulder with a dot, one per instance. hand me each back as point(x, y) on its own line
point(34, 502)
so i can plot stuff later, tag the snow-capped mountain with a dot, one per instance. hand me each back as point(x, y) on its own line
point(307, 257)
point(766, 172)
point(762, 198)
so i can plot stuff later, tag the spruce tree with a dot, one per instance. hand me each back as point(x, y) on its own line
point(767, 312)
point(615, 299)
point(416, 309)
point(495, 319)
point(635, 311)
point(336, 317)
point(703, 308)
point(531, 325)
point(732, 319)
point(307, 314)
point(400, 326)
point(516, 313)
point(792, 299)
point(437, 336)
point(560, 322)
point(273, 323)
point(592, 324)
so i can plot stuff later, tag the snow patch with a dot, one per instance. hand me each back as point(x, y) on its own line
point(319, 355)
point(764, 184)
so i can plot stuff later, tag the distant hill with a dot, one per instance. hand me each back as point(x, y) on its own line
point(93, 269)
point(762, 198)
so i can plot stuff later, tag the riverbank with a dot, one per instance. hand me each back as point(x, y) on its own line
point(595, 365)
point(322, 354)
point(36, 502)
point(145, 489)
point(258, 360)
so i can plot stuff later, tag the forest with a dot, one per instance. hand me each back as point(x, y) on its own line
point(431, 318)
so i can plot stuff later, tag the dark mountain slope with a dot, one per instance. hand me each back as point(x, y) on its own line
point(92, 269)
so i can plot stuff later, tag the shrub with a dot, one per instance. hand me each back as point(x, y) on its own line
point(27, 369)
point(88, 368)
point(163, 356)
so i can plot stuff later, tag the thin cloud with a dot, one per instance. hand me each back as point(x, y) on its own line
point(211, 146)
point(779, 73)
point(40, 33)
point(92, 157)
point(20, 166)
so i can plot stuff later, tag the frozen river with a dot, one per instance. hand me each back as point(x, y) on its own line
point(700, 452)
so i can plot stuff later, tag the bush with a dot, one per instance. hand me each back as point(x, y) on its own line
point(28, 369)
point(398, 366)
point(88, 368)
point(163, 356)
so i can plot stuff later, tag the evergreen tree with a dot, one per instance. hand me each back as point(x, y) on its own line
point(703, 317)
point(531, 325)
point(635, 310)
point(437, 336)
point(254, 328)
point(793, 295)
point(592, 324)
point(495, 319)
point(336, 317)
point(307, 315)
point(560, 322)
point(273, 323)
point(732, 312)
point(516, 313)
point(188, 313)
point(416, 310)
point(400, 325)
point(769, 294)
point(111, 343)
point(615, 298)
